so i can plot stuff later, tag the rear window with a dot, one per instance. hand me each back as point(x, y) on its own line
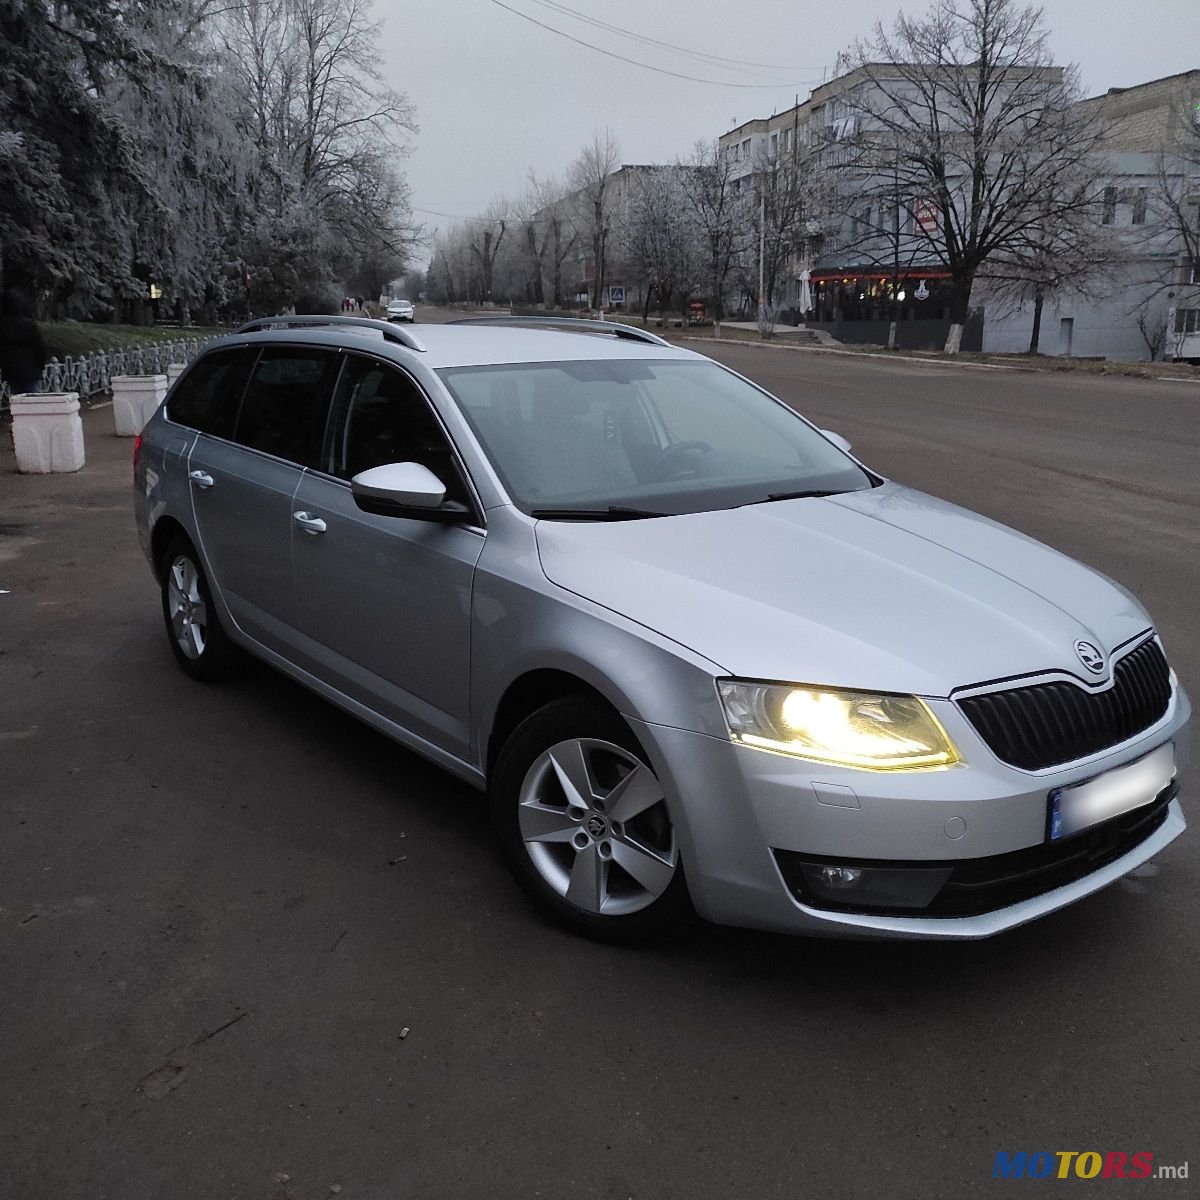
point(286, 403)
point(206, 398)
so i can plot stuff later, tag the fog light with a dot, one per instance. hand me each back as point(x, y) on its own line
point(858, 886)
point(838, 877)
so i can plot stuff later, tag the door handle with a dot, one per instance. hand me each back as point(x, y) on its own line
point(309, 523)
point(201, 478)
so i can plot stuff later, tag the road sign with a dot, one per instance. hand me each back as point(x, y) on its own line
point(616, 295)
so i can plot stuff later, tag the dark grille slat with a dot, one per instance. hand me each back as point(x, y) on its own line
point(1052, 723)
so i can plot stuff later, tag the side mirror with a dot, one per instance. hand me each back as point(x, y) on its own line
point(837, 439)
point(405, 490)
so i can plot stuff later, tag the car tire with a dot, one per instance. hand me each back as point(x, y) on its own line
point(197, 639)
point(584, 825)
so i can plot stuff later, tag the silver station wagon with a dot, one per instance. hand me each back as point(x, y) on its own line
point(702, 660)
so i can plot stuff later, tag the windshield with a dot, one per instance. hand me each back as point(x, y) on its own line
point(642, 438)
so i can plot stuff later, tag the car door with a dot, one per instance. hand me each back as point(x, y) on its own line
point(384, 603)
point(242, 488)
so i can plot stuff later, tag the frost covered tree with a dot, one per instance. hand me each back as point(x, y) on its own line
point(660, 238)
point(232, 152)
point(590, 179)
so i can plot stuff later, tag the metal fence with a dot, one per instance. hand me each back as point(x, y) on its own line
point(91, 373)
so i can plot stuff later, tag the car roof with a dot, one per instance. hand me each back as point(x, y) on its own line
point(465, 345)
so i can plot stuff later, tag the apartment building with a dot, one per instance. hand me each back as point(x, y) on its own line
point(862, 255)
point(853, 259)
point(1143, 296)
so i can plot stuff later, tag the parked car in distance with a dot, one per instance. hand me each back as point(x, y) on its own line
point(702, 659)
point(401, 310)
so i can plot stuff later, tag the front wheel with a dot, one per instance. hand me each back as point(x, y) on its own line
point(584, 824)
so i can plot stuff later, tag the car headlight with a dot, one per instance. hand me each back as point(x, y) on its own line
point(865, 730)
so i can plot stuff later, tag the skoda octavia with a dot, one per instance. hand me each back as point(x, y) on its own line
point(701, 659)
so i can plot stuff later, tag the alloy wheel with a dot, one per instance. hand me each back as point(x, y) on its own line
point(594, 822)
point(187, 609)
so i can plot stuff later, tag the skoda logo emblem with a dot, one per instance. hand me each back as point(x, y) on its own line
point(1091, 656)
point(596, 826)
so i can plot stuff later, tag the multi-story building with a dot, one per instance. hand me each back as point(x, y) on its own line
point(854, 259)
point(865, 255)
point(1142, 298)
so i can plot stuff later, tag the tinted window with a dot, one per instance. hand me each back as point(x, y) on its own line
point(207, 396)
point(283, 412)
point(381, 416)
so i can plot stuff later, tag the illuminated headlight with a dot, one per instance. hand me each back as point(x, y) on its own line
point(847, 729)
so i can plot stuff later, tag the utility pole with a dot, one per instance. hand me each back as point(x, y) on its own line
point(762, 254)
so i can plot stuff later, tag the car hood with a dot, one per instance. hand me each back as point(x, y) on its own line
point(884, 589)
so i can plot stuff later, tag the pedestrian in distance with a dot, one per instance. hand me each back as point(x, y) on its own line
point(22, 348)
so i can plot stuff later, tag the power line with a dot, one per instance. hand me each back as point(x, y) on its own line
point(429, 212)
point(632, 61)
point(649, 41)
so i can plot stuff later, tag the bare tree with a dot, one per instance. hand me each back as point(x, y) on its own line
point(555, 218)
point(1068, 255)
point(590, 177)
point(661, 239)
point(988, 132)
point(328, 137)
point(718, 211)
point(486, 238)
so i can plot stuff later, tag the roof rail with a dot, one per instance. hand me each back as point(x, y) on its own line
point(571, 325)
point(391, 333)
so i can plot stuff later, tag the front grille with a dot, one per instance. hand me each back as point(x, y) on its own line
point(982, 885)
point(1052, 723)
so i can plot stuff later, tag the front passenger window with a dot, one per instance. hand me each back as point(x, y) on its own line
point(380, 416)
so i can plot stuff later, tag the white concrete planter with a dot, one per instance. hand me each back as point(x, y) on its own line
point(135, 398)
point(47, 432)
point(174, 370)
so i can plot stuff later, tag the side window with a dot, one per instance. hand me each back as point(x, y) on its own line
point(207, 397)
point(380, 416)
point(284, 409)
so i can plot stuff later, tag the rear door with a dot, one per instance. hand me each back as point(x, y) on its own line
point(384, 603)
point(242, 488)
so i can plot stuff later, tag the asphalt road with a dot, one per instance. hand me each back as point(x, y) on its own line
point(221, 908)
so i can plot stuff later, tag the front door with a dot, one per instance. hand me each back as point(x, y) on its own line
point(384, 603)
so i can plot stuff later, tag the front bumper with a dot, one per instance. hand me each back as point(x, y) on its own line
point(743, 815)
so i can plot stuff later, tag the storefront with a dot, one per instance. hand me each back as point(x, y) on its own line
point(868, 294)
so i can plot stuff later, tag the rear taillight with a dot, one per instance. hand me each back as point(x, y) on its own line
point(137, 451)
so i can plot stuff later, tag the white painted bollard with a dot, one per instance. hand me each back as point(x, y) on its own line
point(135, 397)
point(174, 370)
point(47, 432)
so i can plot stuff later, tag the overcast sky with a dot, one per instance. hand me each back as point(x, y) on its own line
point(497, 96)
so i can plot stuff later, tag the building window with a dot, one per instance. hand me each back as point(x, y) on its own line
point(787, 140)
point(774, 145)
point(1194, 272)
point(746, 149)
point(1187, 320)
point(1110, 206)
point(1139, 206)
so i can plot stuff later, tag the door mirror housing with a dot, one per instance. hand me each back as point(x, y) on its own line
point(405, 489)
point(836, 438)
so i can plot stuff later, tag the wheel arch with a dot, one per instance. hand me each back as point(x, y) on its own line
point(165, 531)
point(526, 694)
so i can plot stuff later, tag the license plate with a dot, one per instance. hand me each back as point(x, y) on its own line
point(1109, 795)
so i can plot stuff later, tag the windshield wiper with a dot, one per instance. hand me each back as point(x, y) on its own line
point(614, 512)
point(806, 495)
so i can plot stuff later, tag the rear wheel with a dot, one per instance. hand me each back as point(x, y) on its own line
point(585, 825)
point(199, 643)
